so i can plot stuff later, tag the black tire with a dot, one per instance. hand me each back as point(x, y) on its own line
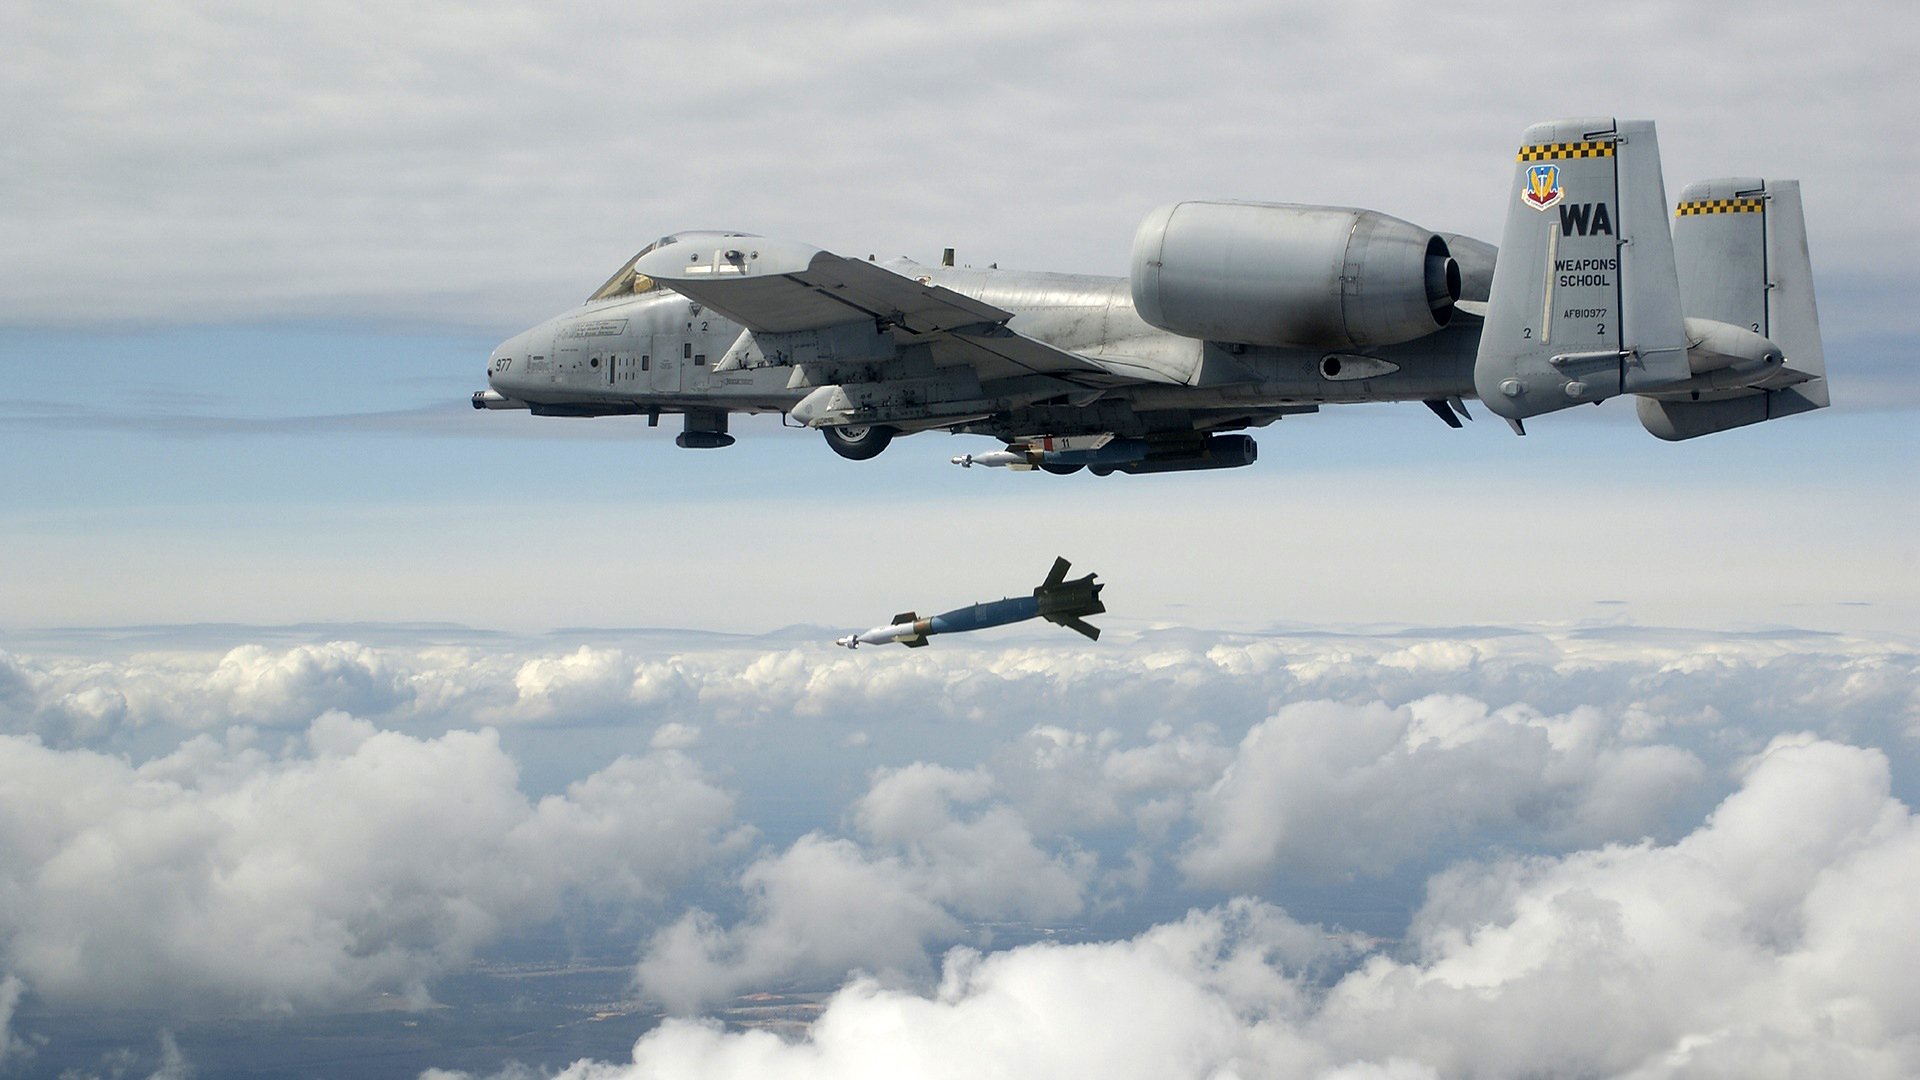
point(1102, 470)
point(858, 442)
point(1060, 470)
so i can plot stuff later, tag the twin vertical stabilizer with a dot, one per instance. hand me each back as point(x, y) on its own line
point(1741, 248)
point(1710, 320)
point(1585, 302)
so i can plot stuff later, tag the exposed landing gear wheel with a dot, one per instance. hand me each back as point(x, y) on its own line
point(858, 442)
point(1102, 470)
point(1060, 470)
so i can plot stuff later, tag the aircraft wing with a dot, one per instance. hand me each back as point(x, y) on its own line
point(780, 287)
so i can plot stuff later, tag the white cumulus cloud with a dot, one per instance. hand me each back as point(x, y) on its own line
point(1335, 790)
point(1771, 941)
point(220, 876)
point(933, 856)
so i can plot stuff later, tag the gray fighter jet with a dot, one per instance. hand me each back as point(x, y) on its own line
point(1235, 315)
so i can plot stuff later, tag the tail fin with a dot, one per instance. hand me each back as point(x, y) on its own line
point(1079, 625)
point(1741, 249)
point(1585, 302)
point(1059, 572)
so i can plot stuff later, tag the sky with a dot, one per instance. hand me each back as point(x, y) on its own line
point(1407, 752)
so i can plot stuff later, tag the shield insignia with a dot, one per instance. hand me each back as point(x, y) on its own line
point(1543, 187)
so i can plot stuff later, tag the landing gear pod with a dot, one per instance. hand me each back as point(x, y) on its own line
point(858, 442)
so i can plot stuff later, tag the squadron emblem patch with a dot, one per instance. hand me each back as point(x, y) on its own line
point(1543, 187)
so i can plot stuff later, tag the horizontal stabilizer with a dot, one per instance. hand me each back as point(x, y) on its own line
point(1676, 420)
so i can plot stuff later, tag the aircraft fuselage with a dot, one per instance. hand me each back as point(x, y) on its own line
point(661, 353)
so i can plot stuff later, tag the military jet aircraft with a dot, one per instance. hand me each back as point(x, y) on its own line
point(1235, 315)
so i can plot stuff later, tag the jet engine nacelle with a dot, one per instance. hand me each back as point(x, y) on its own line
point(1278, 274)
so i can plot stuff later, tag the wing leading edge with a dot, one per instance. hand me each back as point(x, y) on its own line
point(781, 287)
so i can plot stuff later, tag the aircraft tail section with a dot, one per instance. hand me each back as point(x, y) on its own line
point(1585, 302)
point(1740, 246)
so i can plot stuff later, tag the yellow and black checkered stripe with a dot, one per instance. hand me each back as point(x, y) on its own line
point(1559, 150)
point(1720, 206)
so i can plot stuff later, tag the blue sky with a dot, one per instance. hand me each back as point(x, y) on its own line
point(168, 475)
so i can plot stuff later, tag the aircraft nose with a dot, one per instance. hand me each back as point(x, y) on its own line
point(502, 360)
point(501, 379)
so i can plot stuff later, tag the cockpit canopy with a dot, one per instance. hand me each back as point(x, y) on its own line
point(625, 282)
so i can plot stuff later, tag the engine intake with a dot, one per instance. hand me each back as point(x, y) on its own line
point(1280, 274)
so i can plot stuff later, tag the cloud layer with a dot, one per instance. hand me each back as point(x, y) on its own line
point(925, 860)
point(218, 876)
point(1677, 685)
point(1407, 853)
point(1766, 942)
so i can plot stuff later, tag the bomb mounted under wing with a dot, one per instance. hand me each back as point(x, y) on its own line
point(1056, 600)
point(1233, 316)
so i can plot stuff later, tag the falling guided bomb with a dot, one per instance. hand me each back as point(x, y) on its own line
point(1056, 600)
